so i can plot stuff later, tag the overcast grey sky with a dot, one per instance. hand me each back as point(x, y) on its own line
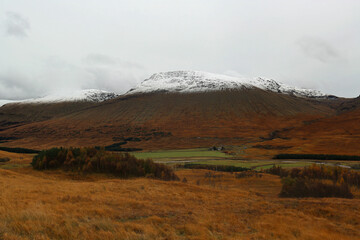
point(56, 45)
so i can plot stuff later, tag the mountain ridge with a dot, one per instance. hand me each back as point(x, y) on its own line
point(198, 81)
point(177, 81)
point(90, 95)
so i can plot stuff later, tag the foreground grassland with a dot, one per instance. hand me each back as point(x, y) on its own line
point(55, 204)
point(62, 205)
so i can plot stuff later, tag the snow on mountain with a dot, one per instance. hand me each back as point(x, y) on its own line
point(91, 95)
point(3, 102)
point(196, 81)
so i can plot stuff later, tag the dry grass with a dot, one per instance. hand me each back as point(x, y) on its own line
point(55, 205)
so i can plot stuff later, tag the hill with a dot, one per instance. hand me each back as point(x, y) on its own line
point(168, 120)
point(15, 113)
point(186, 109)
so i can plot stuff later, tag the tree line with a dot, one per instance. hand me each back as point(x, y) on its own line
point(91, 159)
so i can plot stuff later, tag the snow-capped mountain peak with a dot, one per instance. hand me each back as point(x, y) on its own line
point(196, 81)
point(90, 95)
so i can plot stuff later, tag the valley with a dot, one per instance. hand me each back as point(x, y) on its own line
point(220, 144)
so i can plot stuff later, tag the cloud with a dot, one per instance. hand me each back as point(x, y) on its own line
point(318, 49)
point(105, 60)
point(15, 86)
point(114, 74)
point(295, 42)
point(96, 71)
point(16, 25)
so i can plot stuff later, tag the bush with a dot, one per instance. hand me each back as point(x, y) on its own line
point(88, 160)
point(315, 181)
point(335, 174)
point(299, 187)
point(5, 159)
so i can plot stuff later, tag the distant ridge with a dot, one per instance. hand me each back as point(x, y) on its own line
point(88, 95)
point(197, 81)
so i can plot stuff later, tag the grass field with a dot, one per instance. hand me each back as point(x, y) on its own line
point(256, 165)
point(186, 153)
point(18, 160)
point(15, 165)
point(55, 205)
point(205, 156)
point(63, 205)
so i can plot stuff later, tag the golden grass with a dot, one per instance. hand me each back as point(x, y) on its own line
point(58, 205)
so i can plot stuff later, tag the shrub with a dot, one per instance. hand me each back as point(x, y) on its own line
point(335, 174)
point(88, 160)
point(5, 159)
point(315, 181)
point(300, 187)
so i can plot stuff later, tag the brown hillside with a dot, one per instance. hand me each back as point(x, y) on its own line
point(15, 114)
point(339, 134)
point(164, 120)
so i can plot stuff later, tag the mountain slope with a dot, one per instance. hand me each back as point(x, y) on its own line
point(55, 105)
point(339, 134)
point(175, 119)
point(87, 95)
point(196, 81)
point(193, 110)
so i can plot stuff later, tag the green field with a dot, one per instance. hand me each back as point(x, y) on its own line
point(185, 153)
point(256, 164)
point(205, 156)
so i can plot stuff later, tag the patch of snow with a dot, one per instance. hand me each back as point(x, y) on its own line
point(90, 95)
point(274, 86)
point(196, 81)
point(3, 102)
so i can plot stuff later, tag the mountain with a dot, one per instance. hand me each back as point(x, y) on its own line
point(196, 81)
point(173, 120)
point(88, 95)
point(3, 102)
point(193, 109)
point(14, 113)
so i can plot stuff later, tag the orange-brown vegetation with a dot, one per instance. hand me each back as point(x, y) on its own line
point(16, 158)
point(17, 114)
point(61, 205)
point(338, 134)
point(97, 160)
point(317, 181)
point(172, 120)
point(267, 123)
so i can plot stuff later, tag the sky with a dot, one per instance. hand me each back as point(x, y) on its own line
point(63, 45)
